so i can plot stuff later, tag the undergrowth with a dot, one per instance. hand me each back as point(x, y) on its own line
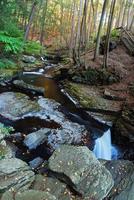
point(7, 64)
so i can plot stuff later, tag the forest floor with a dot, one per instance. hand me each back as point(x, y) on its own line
point(122, 63)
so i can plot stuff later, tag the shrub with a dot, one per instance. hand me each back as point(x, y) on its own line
point(115, 34)
point(32, 47)
point(6, 64)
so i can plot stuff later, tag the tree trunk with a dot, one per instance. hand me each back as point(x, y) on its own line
point(31, 16)
point(43, 22)
point(111, 14)
point(124, 14)
point(95, 16)
point(99, 30)
point(72, 28)
point(76, 49)
point(132, 23)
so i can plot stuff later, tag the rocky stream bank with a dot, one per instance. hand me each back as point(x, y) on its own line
point(48, 154)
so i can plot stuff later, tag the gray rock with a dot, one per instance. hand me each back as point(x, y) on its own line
point(7, 150)
point(36, 162)
point(28, 59)
point(78, 167)
point(68, 133)
point(22, 84)
point(33, 140)
point(54, 186)
point(123, 174)
point(28, 195)
point(15, 175)
point(14, 105)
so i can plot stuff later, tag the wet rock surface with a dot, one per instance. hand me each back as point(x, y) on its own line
point(15, 174)
point(22, 85)
point(78, 167)
point(14, 105)
point(69, 132)
point(123, 174)
point(36, 162)
point(33, 140)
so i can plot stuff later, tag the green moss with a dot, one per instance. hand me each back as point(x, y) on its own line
point(3, 151)
point(83, 99)
point(6, 74)
point(5, 130)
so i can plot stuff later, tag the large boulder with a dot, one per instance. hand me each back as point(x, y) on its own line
point(15, 175)
point(14, 105)
point(78, 167)
point(123, 174)
point(28, 195)
point(28, 59)
point(22, 85)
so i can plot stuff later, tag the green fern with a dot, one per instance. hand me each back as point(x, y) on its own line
point(10, 44)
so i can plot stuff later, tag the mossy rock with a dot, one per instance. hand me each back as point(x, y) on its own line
point(90, 97)
point(3, 151)
point(95, 77)
point(8, 74)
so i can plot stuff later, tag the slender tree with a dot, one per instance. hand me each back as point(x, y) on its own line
point(31, 17)
point(105, 63)
point(96, 53)
point(43, 22)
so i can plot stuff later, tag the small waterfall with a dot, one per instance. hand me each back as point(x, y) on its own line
point(103, 146)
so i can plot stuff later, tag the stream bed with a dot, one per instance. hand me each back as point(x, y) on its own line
point(61, 117)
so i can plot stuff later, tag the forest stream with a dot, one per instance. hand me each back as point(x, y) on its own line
point(68, 109)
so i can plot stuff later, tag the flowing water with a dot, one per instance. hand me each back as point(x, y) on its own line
point(103, 147)
point(69, 108)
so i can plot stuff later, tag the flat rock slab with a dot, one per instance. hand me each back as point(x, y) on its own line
point(15, 174)
point(33, 140)
point(91, 98)
point(79, 168)
point(123, 174)
point(23, 85)
point(28, 195)
point(14, 105)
